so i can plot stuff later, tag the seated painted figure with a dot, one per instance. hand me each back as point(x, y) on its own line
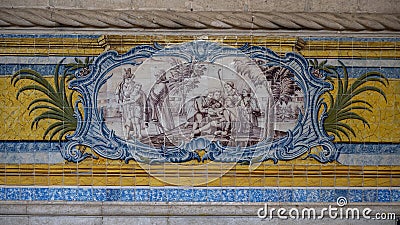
point(211, 117)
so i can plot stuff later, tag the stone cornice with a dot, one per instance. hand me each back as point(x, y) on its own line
point(195, 20)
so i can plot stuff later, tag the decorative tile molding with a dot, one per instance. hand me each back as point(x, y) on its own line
point(93, 45)
point(44, 46)
point(123, 43)
point(21, 160)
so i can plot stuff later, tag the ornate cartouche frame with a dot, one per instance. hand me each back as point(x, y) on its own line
point(93, 132)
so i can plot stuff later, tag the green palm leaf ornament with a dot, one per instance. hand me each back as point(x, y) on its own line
point(56, 104)
point(344, 106)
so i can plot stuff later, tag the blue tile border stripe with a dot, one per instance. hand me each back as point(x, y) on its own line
point(369, 148)
point(48, 70)
point(173, 194)
point(29, 146)
point(345, 148)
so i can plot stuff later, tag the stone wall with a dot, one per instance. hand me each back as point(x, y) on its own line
point(351, 6)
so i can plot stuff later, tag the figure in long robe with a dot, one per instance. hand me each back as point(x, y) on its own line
point(249, 112)
point(123, 95)
point(158, 108)
point(136, 110)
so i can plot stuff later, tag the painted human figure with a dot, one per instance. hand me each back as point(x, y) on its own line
point(231, 98)
point(231, 92)
point(123, 95)
point(126, 86)
point(158, 109)
point(201, 106)
point(248, 112)
point(224, 116)
point(230, 106)
point(214, 117)
point(136, 110)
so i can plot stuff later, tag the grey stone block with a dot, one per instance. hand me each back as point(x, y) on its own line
point(12, 209)
point(344, 6)
point(136, 210)
point(70, 220)
point(227, 5)
point(204, 220)
point(64, 208)
point(278, 6)
point(177, 5)
point(63, 4)
point(23, 4)
point(13, 220)
point(136, 220)
point(373, 6)
point(104, 4)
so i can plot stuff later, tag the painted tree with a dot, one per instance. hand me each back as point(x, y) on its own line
point(346, 104)
point(56, 105)
point(185, 79)
point(278, 80)
point(283, 86)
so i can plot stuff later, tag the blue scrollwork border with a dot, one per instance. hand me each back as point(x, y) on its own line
point(93, 132)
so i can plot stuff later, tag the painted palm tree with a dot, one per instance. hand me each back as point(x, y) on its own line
point(345, 105)
point(282, 83)
point(280, 79)
point(56, 104)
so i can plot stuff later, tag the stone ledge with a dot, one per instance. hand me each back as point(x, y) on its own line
point(102, 213)
point(193, 220)
point(180, 209)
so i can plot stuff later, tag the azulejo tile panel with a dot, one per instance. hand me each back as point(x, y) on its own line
point(204, 119)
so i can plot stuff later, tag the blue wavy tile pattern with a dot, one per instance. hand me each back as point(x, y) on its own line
point(131, 194)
